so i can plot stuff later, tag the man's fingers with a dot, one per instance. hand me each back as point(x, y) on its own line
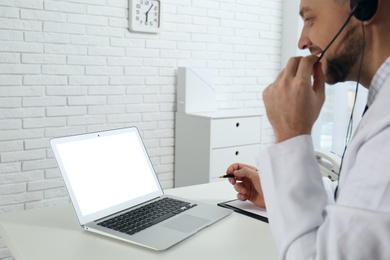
point(240, 188)
point(241, 197)
point(319, 78)
point(306, 67)
point(292, 67)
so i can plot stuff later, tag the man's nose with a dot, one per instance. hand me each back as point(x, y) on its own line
point(304, 41)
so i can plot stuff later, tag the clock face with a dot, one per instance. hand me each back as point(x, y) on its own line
point(145, 15)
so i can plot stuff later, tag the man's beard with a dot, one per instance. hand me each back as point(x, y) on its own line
point(339, 67)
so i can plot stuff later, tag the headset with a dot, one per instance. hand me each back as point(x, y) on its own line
point(363, 10)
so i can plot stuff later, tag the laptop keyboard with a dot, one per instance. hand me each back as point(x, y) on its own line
point(146, 216)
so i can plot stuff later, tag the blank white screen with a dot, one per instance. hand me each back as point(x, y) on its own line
point(107, 171)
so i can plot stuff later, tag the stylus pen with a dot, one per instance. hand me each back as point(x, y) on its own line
point(231, 175)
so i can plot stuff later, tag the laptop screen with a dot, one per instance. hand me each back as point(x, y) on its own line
point(105, 172)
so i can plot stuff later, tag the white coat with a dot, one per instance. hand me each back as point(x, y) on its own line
point(305, 220)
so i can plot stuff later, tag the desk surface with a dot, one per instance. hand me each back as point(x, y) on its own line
point(54, 233)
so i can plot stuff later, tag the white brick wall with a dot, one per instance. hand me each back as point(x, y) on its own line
point(72, 66)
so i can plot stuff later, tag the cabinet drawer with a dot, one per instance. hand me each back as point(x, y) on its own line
point(235, 131)
point(222, 158)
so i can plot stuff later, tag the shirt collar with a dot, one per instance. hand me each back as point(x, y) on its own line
point(377, 82)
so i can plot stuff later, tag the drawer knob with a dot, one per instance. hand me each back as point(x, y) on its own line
point(237, 153)
point(237, 124)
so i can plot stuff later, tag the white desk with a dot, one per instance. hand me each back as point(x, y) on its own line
point(54, 233)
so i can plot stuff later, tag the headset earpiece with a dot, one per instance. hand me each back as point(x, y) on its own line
point(365, 10)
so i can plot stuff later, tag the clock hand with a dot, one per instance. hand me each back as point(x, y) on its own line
point(147, 13)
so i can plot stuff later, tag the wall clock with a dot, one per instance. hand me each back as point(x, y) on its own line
point(145, 16)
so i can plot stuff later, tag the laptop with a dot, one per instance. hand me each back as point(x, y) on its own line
point(112, 184)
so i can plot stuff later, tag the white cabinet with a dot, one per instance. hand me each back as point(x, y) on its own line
point(205, 145)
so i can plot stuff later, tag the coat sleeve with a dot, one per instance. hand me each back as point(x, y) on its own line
point(304, 219)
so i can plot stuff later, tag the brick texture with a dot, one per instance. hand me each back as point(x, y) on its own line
point(72, 66)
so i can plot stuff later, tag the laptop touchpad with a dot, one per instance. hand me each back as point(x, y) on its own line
point(186, 223)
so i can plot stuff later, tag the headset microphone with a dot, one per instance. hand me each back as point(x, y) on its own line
point(363, 10)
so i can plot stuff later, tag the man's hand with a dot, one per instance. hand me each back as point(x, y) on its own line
point(294, 101)
point(247, 183)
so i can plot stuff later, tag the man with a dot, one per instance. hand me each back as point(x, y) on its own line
point(306, 218)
